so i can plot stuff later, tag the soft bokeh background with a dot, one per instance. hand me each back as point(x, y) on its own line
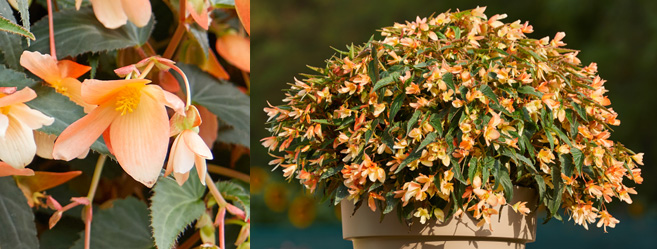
point(621, 36)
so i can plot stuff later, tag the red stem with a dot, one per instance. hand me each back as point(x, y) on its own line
point(51, 30)
point(222, 216)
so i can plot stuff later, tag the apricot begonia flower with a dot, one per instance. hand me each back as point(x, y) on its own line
point(17, 122)
point(115, 13)
point(133, 120)
point(236, 50)
point(8, 170)
point(61, 75)
point(188, 148)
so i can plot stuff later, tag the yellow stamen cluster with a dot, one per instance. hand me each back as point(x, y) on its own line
point(128, 99)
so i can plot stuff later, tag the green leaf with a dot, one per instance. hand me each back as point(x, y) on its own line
point(529, 90)
point(396, 105)
point(430, 138)
point(201, 37)
point(78, 32)
point(64, 234)
point(580, 111)
point(458, 175)
point(9, 26)
point(49, 103)
point(11, 45)
point(174, 207)
point(124, 225)
point(236, 194)
point(578, 158)
point(391, 202)
point(413, 121)
point(16, 218)
point(449, 80)
point(566, 164)
point(558, 191)
point(391, 78)
point(486, 90)
point(540, 182)
point(503, 178)
point(22, 6)
point(223, 3)
point(340, 193)
point(472, 168)
point(220, 97)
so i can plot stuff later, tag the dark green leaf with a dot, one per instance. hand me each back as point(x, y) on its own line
point(174, 207)
point(340, 193)
point(222, 98)
point(413, 120)
point(391, 202)
point(529, 90)
point(8, 26)
point(124, 225)
point(580, 110)
point(78, 32)
point(558, 191)
point(449, 80)
point(540, 183)
point(566, 164)
point(472, 169)
point(236, 194)
point(396, 105)
point(503, 178)
point(16, 218)
point(578, 158)
point(486, 90)
point(25, 15)
point(458, 174)
point(391, 78)
point(430, 138)
point(200, 35)
point(11, 45)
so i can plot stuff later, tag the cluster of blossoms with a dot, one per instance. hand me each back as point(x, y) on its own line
point(446, 114)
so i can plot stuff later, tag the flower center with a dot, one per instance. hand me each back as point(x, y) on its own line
point(127, 99)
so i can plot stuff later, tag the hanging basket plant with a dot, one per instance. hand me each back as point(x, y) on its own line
point(446, 114)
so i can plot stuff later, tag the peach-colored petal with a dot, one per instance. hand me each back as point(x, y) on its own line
point(138, 11)
point(96, 92)
point(17, 147)
point(45, 143)
point(196, 144)
point(8, 170)
point(243, 8)
point(165, 98)
point(74, 93)
point(4, 124)
point(20, 96)
point(182, 158)
point(172, 154)
point(71, 69)
point(236, 50)
point(168, 82)
point(31, 118)
point(78, 3)
point(212, 66)
point(42, 65)
point(110, 13)
point(181, 178)
point(108, 142)
point(210, 126)
point(140, 140)
point(78, 137)
point(199, 13)
point(201, 168)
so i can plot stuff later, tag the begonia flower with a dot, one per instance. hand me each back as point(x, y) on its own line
point(61, 75)
point(133, 119)
point(17, 122)
point(188, 148)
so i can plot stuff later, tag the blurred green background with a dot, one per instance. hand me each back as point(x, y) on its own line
point(621, 36)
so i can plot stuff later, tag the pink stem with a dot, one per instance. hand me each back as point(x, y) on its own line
point(51, 30)
point(222, 216)
point(87, 226)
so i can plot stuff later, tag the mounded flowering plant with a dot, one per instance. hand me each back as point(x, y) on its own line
point(99, 109)
point(446, 114)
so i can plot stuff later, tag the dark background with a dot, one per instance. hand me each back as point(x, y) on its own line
point(621, 36)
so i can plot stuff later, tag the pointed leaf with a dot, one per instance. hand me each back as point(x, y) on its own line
point(16, 218)
point(174, 207)
point(9, 26)
point(78, 32)
point(22, 6)
point(124, 225)
point(11, 45)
